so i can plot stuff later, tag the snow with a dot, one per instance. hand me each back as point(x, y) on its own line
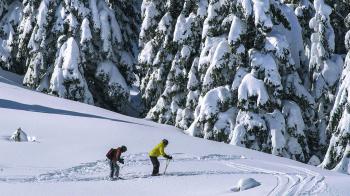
point(293, 116)
point(85, 31)
point(183, 27)
point(332, 70)
point(207, 53)
point(245, 183)
point(343, 165)
point(247, 7)
point(211, 100)
point(74, 138)
point(213, 115)
point(60, 15)
point(314, 160)
point(237, 28)
point(292, 35)
point(212, 12)
point(202, 8)
point(95, 16)
point(115, 27)
point(217, 62)
point(276, 124)
point(147, 54)
point(294, 86)
point(265, 63)
point(72, 21)
point(10, 78)
point(42, 12)
point(240, 73)
point(67, 68)
point(71, 55)
point(252, 87)
point(105, 30)
point(165, 23)
point(8, 24)
point(250, 131)
point(113, 74)
point(150, 11)
point(261, 17)
point(225, 122)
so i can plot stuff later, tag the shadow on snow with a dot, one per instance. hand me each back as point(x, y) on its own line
point(8, 104)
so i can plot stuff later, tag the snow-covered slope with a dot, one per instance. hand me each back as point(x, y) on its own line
point(72, 139)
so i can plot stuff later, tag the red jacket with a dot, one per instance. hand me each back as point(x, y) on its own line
point(116, 155)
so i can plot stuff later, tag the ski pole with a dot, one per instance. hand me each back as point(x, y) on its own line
point(166, 166)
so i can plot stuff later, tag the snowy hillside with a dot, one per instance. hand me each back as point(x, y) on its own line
point(68, 157)
point(80, 50)
point(224, 70)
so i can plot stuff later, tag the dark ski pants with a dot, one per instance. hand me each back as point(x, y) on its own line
point(155, 164)
point(114, 169)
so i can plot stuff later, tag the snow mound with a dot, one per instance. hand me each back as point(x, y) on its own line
point(245, 183)
point(314, 160)
point(19, 136)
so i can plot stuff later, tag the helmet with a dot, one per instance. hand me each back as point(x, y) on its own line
point(165, 141)
point(124, 149)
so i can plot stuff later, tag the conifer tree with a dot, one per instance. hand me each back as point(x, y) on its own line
point(338, 153)
point(340, 10)
point(325, 68)
point(186, 43)
point(39, 55)
point(81, 50)
point(185, 116)
point(270, 95)
point(215, 73)
point(9, 20)
point(155, 58)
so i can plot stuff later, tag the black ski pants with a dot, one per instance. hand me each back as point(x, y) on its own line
point(155, 164)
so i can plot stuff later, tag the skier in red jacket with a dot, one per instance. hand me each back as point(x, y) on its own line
point(114, 156)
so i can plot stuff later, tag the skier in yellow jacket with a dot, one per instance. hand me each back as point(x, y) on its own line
point(155, 153)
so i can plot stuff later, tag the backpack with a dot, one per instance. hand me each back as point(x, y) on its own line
point(110, 154)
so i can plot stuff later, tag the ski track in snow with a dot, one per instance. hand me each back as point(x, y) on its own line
point(301, 182)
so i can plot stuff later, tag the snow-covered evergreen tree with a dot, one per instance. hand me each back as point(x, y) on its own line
point(156, 53)
point(214, 79)
point(38, 53)
point(214, 118)
point(81, 50)
point(304, 10)
point(325, 68)
point(9, 21)
point(338, 153)
point(215, 73)
point(338, 16)
point(271, 95)
point(67, 79)
point(186, 40)
point(185, 116)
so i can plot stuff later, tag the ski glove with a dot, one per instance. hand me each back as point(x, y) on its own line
point(121, 161)
point(168, 157)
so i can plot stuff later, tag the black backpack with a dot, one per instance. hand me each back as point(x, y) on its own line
point(110, 154)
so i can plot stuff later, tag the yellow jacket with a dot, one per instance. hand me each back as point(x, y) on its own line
point(158, 150)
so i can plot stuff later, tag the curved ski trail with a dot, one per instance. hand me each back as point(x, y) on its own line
point(302, 182)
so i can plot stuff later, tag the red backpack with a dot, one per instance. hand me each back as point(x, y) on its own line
point(110, 154)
